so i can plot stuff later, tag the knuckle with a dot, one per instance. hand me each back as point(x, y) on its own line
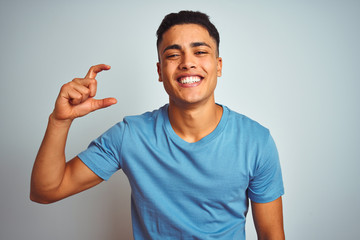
point(71, 84)
point(65, 86)
point(76, 95)
point(76, 99)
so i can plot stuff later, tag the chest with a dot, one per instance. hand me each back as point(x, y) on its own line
point(212, 173)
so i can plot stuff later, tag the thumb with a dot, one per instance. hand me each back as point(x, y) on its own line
point(102, 103)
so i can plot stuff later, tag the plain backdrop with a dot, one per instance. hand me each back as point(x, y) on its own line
point(293, 66)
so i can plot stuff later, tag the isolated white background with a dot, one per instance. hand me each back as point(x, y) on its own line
point(291, 65)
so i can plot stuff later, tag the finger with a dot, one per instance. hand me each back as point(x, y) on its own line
point(75, 93)
point(74, 96)
point(90, 83)
point(94, 70)
point(92, 87)
point(92, 104)
point(83, 90)
point(102, 103)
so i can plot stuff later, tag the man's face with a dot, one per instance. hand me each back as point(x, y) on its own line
point(188, 64)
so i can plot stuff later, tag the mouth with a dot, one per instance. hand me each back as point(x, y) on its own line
point(189, 79)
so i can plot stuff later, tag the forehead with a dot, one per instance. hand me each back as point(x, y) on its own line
point(185, 34)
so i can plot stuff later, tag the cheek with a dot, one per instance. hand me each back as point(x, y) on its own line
point(210, 67)
point(168, 69)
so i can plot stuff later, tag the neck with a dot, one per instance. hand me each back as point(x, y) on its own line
point(192, 123)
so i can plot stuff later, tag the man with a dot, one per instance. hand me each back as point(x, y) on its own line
point(192, 164)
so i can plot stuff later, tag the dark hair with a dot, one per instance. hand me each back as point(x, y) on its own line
point(187, 17)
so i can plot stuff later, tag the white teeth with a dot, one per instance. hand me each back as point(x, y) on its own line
point(187, 80)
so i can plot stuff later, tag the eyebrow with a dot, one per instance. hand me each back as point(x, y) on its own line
point(194, 44)
point(174, 46)
point(198, 44)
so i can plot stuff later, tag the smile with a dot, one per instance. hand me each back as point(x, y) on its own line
point(189, 79)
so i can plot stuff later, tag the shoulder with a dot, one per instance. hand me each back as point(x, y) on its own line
point(141, 121)
point(133, 127)
point(146, 118)
point(245, 125)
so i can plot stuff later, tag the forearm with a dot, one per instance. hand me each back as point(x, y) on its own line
point(50, 162)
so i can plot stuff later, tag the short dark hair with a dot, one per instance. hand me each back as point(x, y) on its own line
point(187, 17)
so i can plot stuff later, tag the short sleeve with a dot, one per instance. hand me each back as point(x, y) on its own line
point(266, 184)
point(103, 155)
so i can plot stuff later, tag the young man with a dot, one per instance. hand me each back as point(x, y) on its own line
point(192, 164)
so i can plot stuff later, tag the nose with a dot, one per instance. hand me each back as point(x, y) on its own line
point(187, 62)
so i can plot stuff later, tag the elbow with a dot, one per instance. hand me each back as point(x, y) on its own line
point(40, 198)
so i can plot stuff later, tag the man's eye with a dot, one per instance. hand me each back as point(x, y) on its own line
point(200, 52)
point(172, 56)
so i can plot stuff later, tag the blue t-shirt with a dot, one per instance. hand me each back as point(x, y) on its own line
point(184, 190)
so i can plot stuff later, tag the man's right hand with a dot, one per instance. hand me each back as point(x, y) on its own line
point(76, 97)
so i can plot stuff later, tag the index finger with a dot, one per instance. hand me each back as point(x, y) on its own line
point(94, 70)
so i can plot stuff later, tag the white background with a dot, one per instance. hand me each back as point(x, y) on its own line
point(291, 65)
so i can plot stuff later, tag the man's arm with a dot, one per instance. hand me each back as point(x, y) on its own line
point(52, 177)
point(268, 220)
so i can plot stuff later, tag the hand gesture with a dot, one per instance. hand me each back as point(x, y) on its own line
point(76, 97)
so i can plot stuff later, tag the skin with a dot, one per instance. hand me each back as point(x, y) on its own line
point(186, 50)
point(268, 220)
point(52, 177)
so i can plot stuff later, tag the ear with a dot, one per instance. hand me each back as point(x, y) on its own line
point(159, 71)
point(219, 66)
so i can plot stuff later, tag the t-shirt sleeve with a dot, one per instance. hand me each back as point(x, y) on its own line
point(266, 184)
point(103, 155)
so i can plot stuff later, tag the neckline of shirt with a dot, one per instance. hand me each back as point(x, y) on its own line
point(178, 140)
